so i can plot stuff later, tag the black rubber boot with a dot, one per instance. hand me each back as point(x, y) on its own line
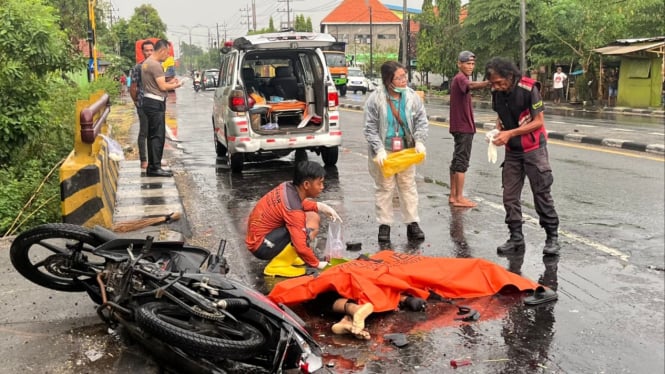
point(514, 244)
point(384, 233)
point(413, 232)
point(552, 246)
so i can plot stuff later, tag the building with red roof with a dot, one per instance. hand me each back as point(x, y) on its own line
point(365, 23)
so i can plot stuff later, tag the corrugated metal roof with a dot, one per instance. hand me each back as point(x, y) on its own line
point(639, 40)
point(624, 49)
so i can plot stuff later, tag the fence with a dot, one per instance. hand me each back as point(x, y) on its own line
point(89, 177)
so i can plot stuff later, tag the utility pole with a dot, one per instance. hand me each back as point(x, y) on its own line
point(371, 44)
point(217, 45)
point(247, 15)
point(92, 41)
point(254, 15)
point(523, 36)
point(405, 36)
point(288, 14)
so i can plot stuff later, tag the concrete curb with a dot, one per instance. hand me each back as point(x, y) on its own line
point(574, 138)
point(567, 110)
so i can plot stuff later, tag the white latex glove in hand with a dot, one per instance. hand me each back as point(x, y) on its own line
point(420, 147)
point(491, 148)
point(489, 137)
point(322, 265)
point(381, 157)
point(329, 211)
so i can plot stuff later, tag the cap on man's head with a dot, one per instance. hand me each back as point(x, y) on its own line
point(466, 56)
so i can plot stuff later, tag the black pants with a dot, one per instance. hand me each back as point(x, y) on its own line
point(143, 134)
point(462, 152)
point(536, 166)
point(155, 112)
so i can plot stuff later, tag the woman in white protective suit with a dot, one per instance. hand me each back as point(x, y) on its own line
point(395, 119)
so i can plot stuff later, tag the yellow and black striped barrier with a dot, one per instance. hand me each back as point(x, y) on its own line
point(89, 177)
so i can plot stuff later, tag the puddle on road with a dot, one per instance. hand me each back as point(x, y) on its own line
point(435, 337)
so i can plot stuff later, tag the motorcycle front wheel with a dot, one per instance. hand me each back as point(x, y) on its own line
point(46, 254)
point(214, 339)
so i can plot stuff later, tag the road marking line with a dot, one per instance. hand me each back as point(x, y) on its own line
point(569, 235)
point(604, 149)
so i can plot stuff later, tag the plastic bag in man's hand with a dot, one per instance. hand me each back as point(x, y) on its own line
point(335, 241)
point(491, 148)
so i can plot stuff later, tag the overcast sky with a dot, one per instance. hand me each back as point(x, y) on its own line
point(201, 17)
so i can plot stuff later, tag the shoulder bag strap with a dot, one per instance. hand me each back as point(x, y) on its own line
point(396, 115)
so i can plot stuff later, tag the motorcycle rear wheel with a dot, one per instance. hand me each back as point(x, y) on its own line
point(214, 339)
point(43, 254)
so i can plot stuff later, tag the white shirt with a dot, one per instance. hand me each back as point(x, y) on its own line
point(558, 80)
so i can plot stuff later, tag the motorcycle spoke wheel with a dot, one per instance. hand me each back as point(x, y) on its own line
point(215, 339)
point(44, 255)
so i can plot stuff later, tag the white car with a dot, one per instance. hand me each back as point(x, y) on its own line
point(275, 96)
point(357, 81)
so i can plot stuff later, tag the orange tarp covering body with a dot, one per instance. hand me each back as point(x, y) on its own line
point(387, 274)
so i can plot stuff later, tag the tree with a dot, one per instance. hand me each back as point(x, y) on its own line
point(144, 23)
point(73, 17)
point(299, 24)
point(449, 12)
point(32, 53)
point(439, 27)
point(571, 29)
point(492, 29)
point(302, 24)
point(427, 44)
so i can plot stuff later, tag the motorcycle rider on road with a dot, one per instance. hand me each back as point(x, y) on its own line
point(197, 81)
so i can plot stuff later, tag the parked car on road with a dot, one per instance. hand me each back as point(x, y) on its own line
point(209, 78)
point(357, 81)
point(276, 96)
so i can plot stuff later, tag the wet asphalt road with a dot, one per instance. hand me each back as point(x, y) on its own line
point(608, 319)
point(611, 207)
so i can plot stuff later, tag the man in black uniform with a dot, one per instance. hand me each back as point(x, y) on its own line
point(522, 131)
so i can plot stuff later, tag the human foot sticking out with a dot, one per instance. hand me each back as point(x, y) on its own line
point(345, 326)
point(457, 192)
point(357, 312)
point(464, 203)
point(359, 316)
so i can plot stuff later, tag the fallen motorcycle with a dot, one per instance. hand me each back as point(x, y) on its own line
point(195, 320)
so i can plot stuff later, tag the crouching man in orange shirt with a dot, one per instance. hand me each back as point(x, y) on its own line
point(285, 221)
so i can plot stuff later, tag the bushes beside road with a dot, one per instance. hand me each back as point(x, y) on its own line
point(30, 189)
point(37, 111)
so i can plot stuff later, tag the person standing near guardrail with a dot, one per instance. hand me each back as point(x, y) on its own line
point(136, 92)
point(155, 92)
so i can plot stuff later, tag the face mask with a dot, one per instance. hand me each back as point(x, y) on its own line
point(399, 90)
